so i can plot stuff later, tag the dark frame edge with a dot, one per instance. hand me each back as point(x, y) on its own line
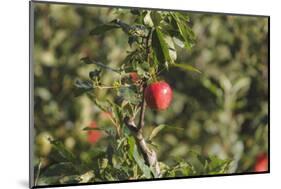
point(268, 67)
point(153, 180)
point(31, 80)
point(148, 8)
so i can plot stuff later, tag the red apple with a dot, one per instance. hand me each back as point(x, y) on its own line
point(158, 95)
point(261, 163)
point(93, 135)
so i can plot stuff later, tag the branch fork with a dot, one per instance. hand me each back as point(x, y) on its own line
point(149, 154)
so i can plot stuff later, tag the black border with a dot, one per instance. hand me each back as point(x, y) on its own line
point(31, 169)
point(31, 126)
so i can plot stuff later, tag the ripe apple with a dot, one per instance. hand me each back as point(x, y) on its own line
point(261, 164)
point(93, 135)
point(158, 95)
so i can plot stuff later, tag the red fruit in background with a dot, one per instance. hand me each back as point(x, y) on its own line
point(134, 77)
point(261, 163)
point(158, 95)
point(93, 135)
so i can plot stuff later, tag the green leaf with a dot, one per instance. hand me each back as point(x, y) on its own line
point(88, 60)
point(147, 19)
point(184, 34)
point(102, 105)
point(94, 74)
point(160, 47)
point(161, 127)
point(139, 160)
point(156, 18)
point(96, 153)
point(138, 30)
point(70, 179)
point(132, 39)
point(182, 16)
point(184, 30)
point(86, 177)
point(49, 180)
point(178, 42)
point(60, 148)
point(105, 129)
point(135, 11)
point(171, 47)
point(212, 87)
point(117, 111)
point(145, 169)
point(82, 87)
point(110, 152)
point(128, 94)
point(131, 142)
point(155, 131)
point(186, 67)
point(60, 169)
point(218, 166)
point(183, 169)
point(84, 84)
point(103, 28)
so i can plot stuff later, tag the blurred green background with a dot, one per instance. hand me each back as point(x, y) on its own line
point(222, 112)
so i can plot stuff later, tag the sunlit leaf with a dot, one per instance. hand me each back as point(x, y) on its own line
point(131, 142)
point(160, 47)
point(86, 177)
point(178, 42)
point(186, 67)
point(147, 19)
point(82, 87)
point(171, 48)
point(155, 131)
point(100, 30)
point(185, 31)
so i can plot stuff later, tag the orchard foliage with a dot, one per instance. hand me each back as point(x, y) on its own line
point(91, 121)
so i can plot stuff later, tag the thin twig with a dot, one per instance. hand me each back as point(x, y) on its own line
point(111, 87)
point(38, 173)
point(147, 45)
point(143, 104)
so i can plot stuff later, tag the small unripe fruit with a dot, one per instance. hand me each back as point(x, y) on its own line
point(134, 77)
point(43, 143)
point(158, 95)
point(261, 163)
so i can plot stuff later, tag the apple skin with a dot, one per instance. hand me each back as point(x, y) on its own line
point(261, 164)
point(158, 95)
point(93, 135)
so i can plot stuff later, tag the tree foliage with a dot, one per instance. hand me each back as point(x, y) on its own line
point(83, 58)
